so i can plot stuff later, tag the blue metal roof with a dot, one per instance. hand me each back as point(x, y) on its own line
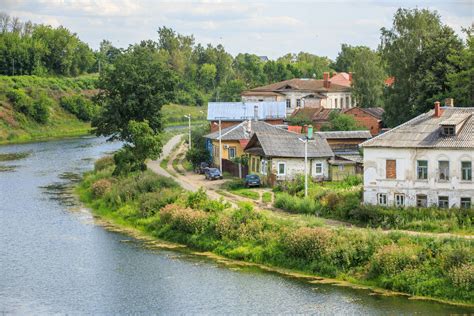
point(239, 111)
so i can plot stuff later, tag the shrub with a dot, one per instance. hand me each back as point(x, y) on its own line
point(295, 204)
point(308, 243)
point(83, 108)
point(101, 187)
point(152, 202)
point(103, 163)
point(463, 277)
point(41, 108)
point(21, 101)
point(392, 259)
point(184, 219)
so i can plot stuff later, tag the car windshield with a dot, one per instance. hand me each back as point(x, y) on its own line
point(214, 171)
point(252, 177)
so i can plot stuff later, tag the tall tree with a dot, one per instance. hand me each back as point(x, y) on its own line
point(415, 51)
point(368, 78)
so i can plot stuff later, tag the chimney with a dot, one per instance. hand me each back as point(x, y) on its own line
point(310, 131)
point(437, 109)
point(326, 82)
point(449, 102)
point(248, 129)
point(350, 76)
point(255, 112)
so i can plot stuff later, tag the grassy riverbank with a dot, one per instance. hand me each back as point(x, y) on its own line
point(31, 109)
point(440, 268)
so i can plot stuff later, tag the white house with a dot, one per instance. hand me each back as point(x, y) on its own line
point(426, 161)
point(333, 93)
point(279, 156)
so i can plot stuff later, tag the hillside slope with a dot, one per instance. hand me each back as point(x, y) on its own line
point(18, 122)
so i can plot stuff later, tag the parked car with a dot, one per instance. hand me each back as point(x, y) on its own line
point(200, 169)
point(212, 174)
point(252, 180)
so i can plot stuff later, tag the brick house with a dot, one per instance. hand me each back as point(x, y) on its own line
point(371, 118)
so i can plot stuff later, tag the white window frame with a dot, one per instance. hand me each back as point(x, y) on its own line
point(382, 199)
point(418, 199)
point(445, 171)
point(298, 103)
point(399, 199)
point(263, 167)
point(284, 168)
point(234, 149)
point(418, 168)
point(466, 171)
point(320, 164)
point(447, 201)
point(288, 103)
point(465, 204)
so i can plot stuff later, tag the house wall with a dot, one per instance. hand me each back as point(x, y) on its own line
point(344, 97)
point(295, 166)
point(340, 172)
point(224, 124)
point(365, 119)
point(225, 152)
point(406, 181)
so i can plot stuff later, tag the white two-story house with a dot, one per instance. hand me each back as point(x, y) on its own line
point(426, 161)
point(330, 92)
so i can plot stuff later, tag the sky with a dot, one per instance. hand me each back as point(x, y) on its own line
point(266, 28)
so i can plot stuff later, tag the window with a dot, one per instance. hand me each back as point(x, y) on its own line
point(298, 103)
point(342, 103)
point(422, 169)
point(254, 164)
point(347, 102)
point(257, 168)
point(443, 170)
point(399, 200)
point(466, 202)
point(232, 152)
point(288, 103)
point(341, 167)
point(390, 169)
point(335, 103)
point(443, 201)
point(449, 130)
point(318, 168)
point(281, 168)
point(382, 199)
point(466, 170)
point(421, 200)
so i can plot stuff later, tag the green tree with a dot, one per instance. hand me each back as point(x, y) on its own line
point(461, 82)
point(346, 57)
point(368, 78)
point(415, 51)
point(142, 143)
point(341, 122)
point(207, 76)
point(134, 89)
point(231, 90)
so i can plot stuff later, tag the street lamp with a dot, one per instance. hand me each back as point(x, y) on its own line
point(189, 122)
point(305, 140)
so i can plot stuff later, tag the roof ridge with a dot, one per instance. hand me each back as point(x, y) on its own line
point(367, 142)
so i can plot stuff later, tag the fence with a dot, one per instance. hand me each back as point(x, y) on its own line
point(233, 168)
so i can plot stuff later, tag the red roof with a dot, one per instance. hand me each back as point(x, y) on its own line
point(389, 81)
point(342, 79)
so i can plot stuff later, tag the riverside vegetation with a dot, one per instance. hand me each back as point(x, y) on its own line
point(343, 201)
point(441, 268)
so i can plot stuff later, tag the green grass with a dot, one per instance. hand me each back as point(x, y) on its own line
point(441, 268)
point(14, 156)
point(248, 193)
point(266, 197)
point(173, 114)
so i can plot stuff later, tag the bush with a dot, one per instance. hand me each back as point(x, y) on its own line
point(184, 219)
point(393, 259)
point(103, 163)
point(41, 108)
point(21, 101)
point(83, 108)
point(295, 204)
point(152, 202)
point(308, 243)
point(101, 187)
point(463, 277)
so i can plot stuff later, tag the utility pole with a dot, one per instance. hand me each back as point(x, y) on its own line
point(13, 66)
point(189, 124)
point(220, 146)
point(305, 140)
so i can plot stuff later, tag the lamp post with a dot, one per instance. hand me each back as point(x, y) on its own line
point(305, 140)
point(189, 123)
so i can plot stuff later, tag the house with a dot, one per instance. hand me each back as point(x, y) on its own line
point(319, 116)
point(280, 156)
point(301, 93)
point(371, 118)
point(234, 139)
point(233, 113)
point(347, 159)
point(423, 162)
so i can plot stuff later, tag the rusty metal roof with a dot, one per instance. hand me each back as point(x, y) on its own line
point(424, 131)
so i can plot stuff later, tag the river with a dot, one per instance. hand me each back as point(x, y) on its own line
point(55, 259)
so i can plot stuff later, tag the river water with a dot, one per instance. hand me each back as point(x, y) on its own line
point(54, 259)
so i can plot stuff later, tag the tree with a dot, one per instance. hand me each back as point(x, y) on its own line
point(346, 57)
point(415, 51)
point(143, 143)
point(341, 122)
point(368, 78)
point(198, 153)
point(207, 76)
point(134, 89)
point(461, 82)
point(231, 90)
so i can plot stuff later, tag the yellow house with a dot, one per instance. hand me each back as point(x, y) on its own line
point(234, 139)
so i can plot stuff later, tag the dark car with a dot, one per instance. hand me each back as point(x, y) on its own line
point(213, 174)
point(252, 180)
point(201, 168)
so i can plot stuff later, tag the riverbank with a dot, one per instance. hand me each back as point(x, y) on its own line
point(437, 269)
